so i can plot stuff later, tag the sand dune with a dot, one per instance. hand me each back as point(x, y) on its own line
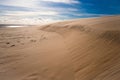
point(81, 49)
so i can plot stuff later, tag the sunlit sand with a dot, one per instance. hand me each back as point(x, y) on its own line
point(81, 49)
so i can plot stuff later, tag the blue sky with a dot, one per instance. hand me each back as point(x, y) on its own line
point(45, 11)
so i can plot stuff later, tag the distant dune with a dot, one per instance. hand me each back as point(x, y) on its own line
point(81, 49)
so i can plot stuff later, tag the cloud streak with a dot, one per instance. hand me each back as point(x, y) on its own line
point(20, 3)
point(29, 13)
point(63, 1)
point(34, 3)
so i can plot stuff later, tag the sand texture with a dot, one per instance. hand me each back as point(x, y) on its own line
point(81, 49)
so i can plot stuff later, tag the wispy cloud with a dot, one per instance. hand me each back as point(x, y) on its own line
point(29, 13)
point(20, 3)
point(63, 1)
point(34, 3)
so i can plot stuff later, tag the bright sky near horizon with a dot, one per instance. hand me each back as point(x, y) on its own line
point(45, 11)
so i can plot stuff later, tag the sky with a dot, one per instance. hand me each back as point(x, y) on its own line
point(47, 11)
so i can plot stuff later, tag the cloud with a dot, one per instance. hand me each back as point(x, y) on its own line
point(33, 3)
point(63, 1)
point(32, 21)
point(28, 13)
point(20, 3)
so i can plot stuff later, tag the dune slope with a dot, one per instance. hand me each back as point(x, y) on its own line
point(85, 49)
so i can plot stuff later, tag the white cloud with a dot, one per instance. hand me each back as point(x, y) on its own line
point(29, 13)
point(63, 1)
point(20, 3)
point(30, 21)
point(33, 3)
point(28, 17)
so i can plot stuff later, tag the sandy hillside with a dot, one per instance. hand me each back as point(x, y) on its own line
point(82, 49)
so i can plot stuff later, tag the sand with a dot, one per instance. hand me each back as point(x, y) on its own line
point(81, 49)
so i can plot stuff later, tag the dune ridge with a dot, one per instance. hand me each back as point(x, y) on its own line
point(81, 49)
